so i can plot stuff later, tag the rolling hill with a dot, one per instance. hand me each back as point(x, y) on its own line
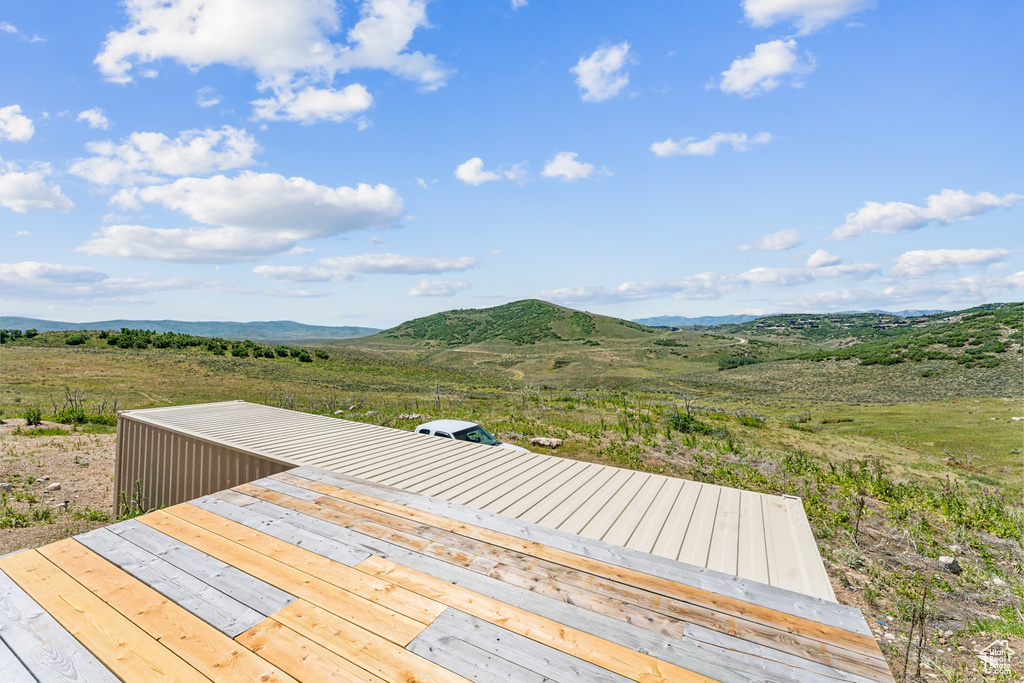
point(520, 322)
point(276, 330)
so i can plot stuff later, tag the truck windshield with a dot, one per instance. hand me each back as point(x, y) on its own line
point(476, 434)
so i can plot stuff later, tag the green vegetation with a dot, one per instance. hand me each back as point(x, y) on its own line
point(520, 322)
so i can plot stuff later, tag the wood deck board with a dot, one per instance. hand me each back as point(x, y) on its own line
point(627, 602)
point(121, 646)
point(796, 625)
point(191, 638)
point(218, 609)
point(363, 612)
point(723, 658)
point(40, 643)
point(372, 583)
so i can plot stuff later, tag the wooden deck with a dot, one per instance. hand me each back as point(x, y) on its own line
point(310, 575)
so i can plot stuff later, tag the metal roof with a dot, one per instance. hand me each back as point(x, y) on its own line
point(308, 575)
point(751, 535)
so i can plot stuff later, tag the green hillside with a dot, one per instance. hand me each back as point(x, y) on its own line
point(520, 322)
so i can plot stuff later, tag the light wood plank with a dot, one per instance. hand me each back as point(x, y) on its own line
point(724, 659)
point(772, 597)
point(603, 653)
point(13, 670)
point(727, 605)
point(368, 650)
point(218, 609)
point(341, 575)
point(385, 622)
point(42, 644)
point(300, 656)
point(120, 645)
point(211, 652)
point(482, 651)
point(245, 588)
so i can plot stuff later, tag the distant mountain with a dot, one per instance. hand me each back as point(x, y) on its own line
point(707, 320)
point(519, 322)
point(277, 330)
point(911, 313)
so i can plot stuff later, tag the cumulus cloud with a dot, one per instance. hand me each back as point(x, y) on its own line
point(776, 241)
point(765, 69)
point(709, 285)
point(95, 118)
point(310, 105)
point(822, 258)
point(565, 166)
point(294, 56)
point(946, 207)
point(48, 281)
point(972, 289)
point(149, 157)
point(602, 75)
point(344, 268)
point(920, 262)
point(254, 214)
point(14, 126)
point(472, 172)
point(708, 147)
point(22, 191)
point(438, 287)
point(807, 15)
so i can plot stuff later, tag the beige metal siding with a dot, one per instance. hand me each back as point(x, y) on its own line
point(757, 536)
point(169, 468)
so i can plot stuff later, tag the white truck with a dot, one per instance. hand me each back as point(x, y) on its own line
point(460, 430)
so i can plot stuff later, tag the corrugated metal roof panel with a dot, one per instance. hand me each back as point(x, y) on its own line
point(757, 536)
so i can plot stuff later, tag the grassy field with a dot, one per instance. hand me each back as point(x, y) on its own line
point(928, 446)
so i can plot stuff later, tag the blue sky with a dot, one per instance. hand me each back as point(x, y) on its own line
point(368, 162)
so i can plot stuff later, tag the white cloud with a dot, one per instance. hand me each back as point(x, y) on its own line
point(603, 75)
point(709, 285)
point(776, 241)
point(761, 71)
point(148, 157)
point(343, 268)
point(808, 15)
point(517, 4)
point(438, 287)
point(8, 27)
point(293, 55)
point(967, 290)
point(312, 104)
point(95, 118)
point(894, 217)
point(207, 97)
point(21, 191)
point(472, 172)
point(691, 146)
point(33, 280)
point(822, 258)
point(14, 126)
point(565, 166)
point(254, 214)
point(917, 263)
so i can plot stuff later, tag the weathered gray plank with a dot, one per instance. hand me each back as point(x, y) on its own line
point(787, 602)
point(467, 645)
point(13, 670)
point(41, 644)
point(325, 547)
point(722, 663)
point(224, 613)
point(246, 589)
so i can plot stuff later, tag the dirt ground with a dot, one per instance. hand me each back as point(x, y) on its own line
point(83, 465)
